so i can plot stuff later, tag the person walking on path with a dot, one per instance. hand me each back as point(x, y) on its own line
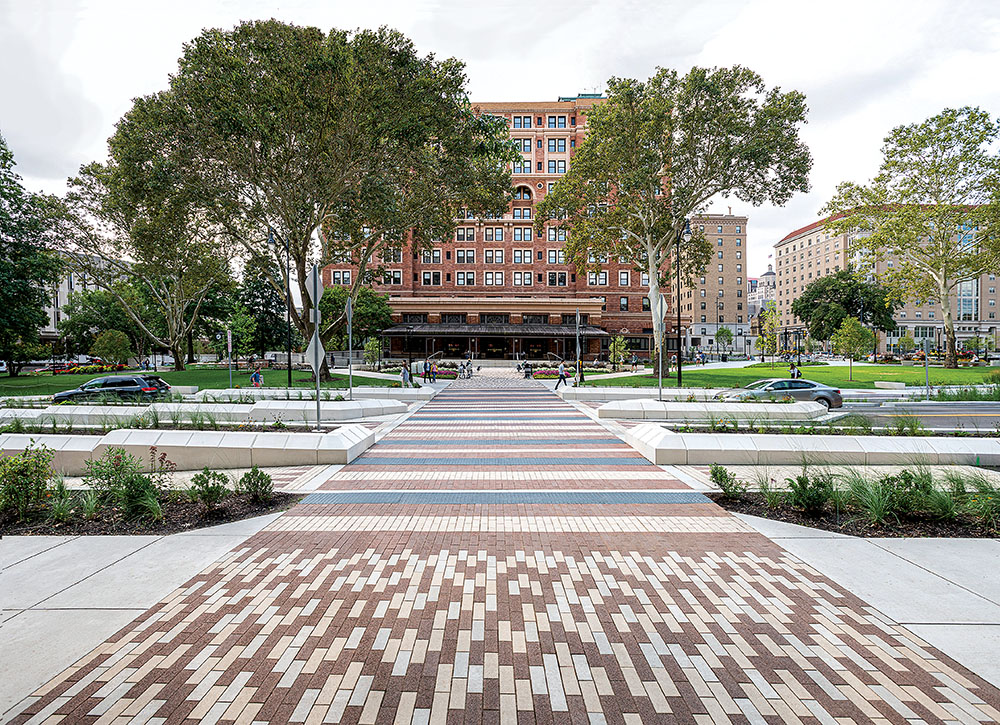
point(427, 369)
point(793, 372)
point(634, 361)
point(405, 373)
point(562, 375)
point(434, 372)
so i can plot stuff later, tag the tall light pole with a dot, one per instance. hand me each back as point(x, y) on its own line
point(288, 297)
point(686, 236)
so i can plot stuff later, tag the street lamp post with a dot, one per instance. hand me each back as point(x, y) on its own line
point(288, 298)
point(409, 351)
point(686, 235)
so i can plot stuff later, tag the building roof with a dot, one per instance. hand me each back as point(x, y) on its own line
point(808, 228)
point(504, 330)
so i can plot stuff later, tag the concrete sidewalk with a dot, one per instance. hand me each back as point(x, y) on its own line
point(61, 596)
point(942, 590)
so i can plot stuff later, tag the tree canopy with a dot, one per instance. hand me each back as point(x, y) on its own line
point(932, 210)
point(827, 301)
point(344, 144)
point(142, 218)
point(852, 340)
point(658, 151)
point(372, 314)
point(28, 270)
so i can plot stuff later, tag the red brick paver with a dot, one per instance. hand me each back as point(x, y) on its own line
point(459, 612)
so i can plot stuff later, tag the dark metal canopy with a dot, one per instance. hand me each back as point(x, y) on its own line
point(506, 330)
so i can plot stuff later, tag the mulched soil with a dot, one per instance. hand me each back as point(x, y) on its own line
point(178, 515)
point(849, 522)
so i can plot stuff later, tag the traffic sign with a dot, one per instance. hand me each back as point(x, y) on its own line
point(314, 286)
point(315, 353)
point(349, 310)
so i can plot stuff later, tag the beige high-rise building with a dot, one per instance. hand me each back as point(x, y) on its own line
point(811, 252)
point(718, 299)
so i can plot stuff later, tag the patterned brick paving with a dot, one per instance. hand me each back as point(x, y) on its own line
point(414, 609)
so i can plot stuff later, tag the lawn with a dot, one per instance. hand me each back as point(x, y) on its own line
point(204, 378)
point(864, 376)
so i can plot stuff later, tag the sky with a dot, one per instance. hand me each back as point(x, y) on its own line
point(69, 69)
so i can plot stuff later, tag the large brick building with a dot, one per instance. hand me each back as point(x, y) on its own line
point(499, 290)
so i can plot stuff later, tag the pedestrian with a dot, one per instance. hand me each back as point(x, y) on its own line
point(562, 374)
point(405, 373)
point(434, 372)
point(793, 372)
point(579, 372)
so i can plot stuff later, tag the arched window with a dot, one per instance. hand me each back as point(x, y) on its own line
point(522, 193)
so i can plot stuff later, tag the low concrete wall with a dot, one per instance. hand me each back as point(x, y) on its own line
point(192, 450)
point(665, 447)
point(364, 393)
point(266, 410)
point(657, 410)
point(624, 393)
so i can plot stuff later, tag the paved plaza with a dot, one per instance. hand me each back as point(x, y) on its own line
point(500, 557)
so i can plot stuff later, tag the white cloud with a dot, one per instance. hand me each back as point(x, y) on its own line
point(69, 68)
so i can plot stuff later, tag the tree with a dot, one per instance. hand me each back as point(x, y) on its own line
point(907, 344)
point(141, 218)
point(258, 294)
point(88, 312)
point(852, 340)
point(347, 145)
point(112, 346)
point(932, 209)
point(27, 270)
point(373, 350)
point(767, 339)
point(372, 314)
point(243, 326)
point(617, 349)
point(657, 152)
point(724, 336)
point(827, 301)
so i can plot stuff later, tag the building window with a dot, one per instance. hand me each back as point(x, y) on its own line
point(623, 304)
point(465, 256)
point(522, 212)
point(431, 279)
point(340, 276)
point(522, 234)
point(465, 278)
point(557, 279)
point(557, 256)
point(522, 256)
point(493, 256)
point(465, 234)
point(557, 122)
point(493, 234)
point(523, 145)
point(393, 276)
point(522, 121)
point(522, 193)
point(556, 234)
point(557, 145)
point(597, 278)
point(393, 256)
point(522, 166)
point(522, 279)
point(623, 280)
point(431, 256)
point(494, 279)
point(645, 304)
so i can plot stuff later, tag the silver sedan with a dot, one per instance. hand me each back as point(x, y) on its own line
point(780, 388)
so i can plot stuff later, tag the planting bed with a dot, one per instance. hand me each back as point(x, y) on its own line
point(849, 522)
point(179, 514)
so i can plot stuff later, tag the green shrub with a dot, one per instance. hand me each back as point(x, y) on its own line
point(61, 509)
point(24, 479)
point(211, 487)
point(774, 497)
point(730, 485)
point(257, 485)
point(90, 504)
point(118, 478)
point(908, 490)
point(809, 493)
point(984, 501)
point(872, 498)
point(942, 504)
point(150, 506)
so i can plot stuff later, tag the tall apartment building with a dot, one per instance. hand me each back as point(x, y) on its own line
point(810, 253)
point(498, 289)
point(718, 299)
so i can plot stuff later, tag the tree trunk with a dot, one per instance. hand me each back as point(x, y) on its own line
point(178, 353)
point(950, 355)
point(190, 346)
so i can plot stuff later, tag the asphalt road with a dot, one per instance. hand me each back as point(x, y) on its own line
point(971, 417)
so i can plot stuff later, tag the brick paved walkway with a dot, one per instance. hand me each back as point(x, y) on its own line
point(500, 558)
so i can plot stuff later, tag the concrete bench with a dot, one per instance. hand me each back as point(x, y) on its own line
point(703, 412)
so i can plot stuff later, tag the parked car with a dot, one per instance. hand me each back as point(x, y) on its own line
point(124, 387)
point(778, 388)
